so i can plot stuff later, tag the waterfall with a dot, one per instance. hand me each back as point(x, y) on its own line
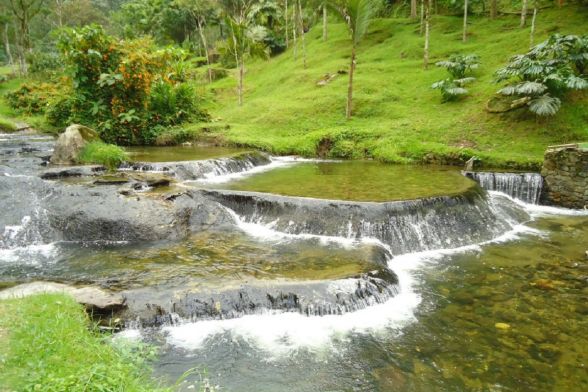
point(204, 169)
point(523, 186)
point(403, 226)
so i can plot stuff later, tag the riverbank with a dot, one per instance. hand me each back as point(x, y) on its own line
point(398, 117)
point(48, 340)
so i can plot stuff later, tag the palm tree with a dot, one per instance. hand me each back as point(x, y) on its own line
point(358, 15)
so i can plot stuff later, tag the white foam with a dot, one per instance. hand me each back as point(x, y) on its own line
point(536, 210)
point(276, 163)
point(281, 333)
point(265, 232)
point(31, 254)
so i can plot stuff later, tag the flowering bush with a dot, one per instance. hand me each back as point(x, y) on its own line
point(113, 83)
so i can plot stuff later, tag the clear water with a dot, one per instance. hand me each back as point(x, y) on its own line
point(179, 153)
point(508, 316)
point(357, 181)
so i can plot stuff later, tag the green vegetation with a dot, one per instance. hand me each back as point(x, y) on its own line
point(547, 71)
point(47, 344)
point(7, 125)
point(397, 117)
point(101, 153)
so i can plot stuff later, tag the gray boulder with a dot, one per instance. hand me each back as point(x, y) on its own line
point(90, 297)
point(70, 143)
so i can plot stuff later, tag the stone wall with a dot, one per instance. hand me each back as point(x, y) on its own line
point(565, 171)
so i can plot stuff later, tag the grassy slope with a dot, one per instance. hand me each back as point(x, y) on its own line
point(45, 345)
point(399, 118)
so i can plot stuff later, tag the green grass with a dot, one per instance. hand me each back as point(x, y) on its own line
point(46, 345)
point(398, 117)
point(101, 153)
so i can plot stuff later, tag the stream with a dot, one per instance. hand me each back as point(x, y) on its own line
point(260, 273)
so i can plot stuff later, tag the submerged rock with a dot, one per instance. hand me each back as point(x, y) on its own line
point(70, 143)
point(90, 297)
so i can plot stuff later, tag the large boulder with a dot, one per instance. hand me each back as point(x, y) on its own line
point(70, 143)
point(92, 298)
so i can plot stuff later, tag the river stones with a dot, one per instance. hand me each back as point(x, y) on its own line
point(70, 143)
point(90, 297)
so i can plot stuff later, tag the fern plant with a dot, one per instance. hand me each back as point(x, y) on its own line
point(452, 89)
point(458, 66)
point(540, 78)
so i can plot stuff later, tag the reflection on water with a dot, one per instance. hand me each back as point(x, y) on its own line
point(508, 317)
point(358, 181)
point(179, 153)
point(210, 259)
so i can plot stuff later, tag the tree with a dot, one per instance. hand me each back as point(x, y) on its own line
point(465, 20)
point(427, 33)
point(358, 15)
point(532, 35)
point(413, 9)
point(245, 37)
point(200, 10)
point(24, 11)
point(493, 8)
point(524, 13)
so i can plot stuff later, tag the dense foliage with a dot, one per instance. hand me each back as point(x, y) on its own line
point(540, 78)
point(128, 90)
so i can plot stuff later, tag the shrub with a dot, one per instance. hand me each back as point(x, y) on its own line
point(539, 78)
point(32, 98)
point(42, 63)
point(458, 66)
point(101, 153)
point(452, 89)
point(125, 89)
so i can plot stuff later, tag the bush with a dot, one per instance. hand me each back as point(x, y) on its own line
point(42, 63)
point(125, 89)
point(539, 78)
point(101, 153)
point(458, 66)
point(32, 98)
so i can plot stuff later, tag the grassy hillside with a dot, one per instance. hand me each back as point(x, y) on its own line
point(399, 118)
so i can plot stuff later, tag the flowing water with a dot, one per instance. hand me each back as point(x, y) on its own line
point(349, 288)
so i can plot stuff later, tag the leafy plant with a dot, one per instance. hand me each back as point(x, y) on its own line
point(452, 89)
point(542, 76)
point(459, 65)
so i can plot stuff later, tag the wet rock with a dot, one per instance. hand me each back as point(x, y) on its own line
point(70, 143)
point(79, 171)
point(91, 297)
point(502, 326)
point(111, 180)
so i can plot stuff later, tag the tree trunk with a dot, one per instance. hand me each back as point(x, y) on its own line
point(349, 110)
point(203, 39)
point(465, 21)
point(287, 32)
point(301, 23)
point(533, 23)
point(7, 46)
point(422, 29)
point(493, 8)
point(413, 9)
point(294, 29)
point(241, 76)
point(427, 33)
point(524, 14)
point(325, 31)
